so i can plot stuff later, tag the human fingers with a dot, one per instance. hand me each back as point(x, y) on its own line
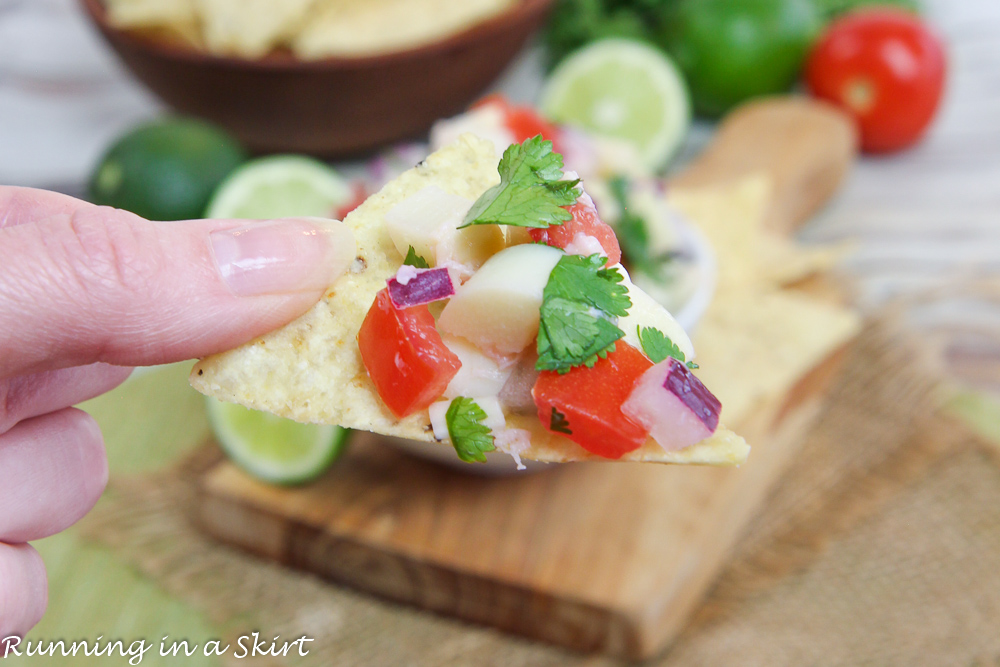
point(19, 206)
point(26, 396)
point(24, 589)
point(99, 284)
point(52, 470)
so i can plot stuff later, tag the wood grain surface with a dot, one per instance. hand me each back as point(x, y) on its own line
point(593, 556)
point(807, 148)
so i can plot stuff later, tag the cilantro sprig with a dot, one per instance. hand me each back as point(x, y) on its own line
point(634, 236)
point(632, 231)
point(415, 260)
point(531, 192)
point(658, 346)
point(577, 323)
point(470, 437)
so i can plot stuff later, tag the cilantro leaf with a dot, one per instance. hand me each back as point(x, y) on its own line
point(584, 278)
point(657, 345)
point(530, 193)
point(577, 323)
point(633, 232)
point(559, 423)
point(413, 259)
point(571, 335)
point(470, 437)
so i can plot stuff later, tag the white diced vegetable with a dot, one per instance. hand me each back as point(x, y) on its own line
point(428, 222)
point(437, 411)
point(466, 249)
point(494, 413)
point(480, 375)
point(647, 312)
point(497, 309)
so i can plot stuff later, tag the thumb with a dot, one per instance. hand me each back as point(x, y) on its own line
point(95, 284)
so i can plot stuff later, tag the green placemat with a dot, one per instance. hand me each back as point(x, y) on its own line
point(149, 423)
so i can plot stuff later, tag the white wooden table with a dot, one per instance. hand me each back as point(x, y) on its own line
point(926, 222)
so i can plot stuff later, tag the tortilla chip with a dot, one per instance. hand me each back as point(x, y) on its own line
point(250, 28)
point(731, 218)
point(749, 255)
point(784, 261)
point(754, 349)
point(350, 28)
point(311, 369)
point(130, 14)
point(757, 340)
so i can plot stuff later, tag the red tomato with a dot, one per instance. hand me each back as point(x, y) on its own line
point(885, 68)
point(591, 400)
point(522, 121)
point(585, 221)
point(405, 356)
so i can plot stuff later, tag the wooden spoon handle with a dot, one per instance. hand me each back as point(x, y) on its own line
point(805, 146)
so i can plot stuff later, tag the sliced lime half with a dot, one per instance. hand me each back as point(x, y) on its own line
point(622, 89)
point(274, 449)
point(280, 186)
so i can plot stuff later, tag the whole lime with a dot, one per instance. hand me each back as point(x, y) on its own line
point(165, 170)
point(732, 50)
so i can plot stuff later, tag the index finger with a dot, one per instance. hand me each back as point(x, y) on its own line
point(20, 206)
point(92, 284)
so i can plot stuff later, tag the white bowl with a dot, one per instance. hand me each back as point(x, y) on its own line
point(705, 269)
point(697, 251)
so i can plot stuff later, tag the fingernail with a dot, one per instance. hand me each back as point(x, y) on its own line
point(283, 256)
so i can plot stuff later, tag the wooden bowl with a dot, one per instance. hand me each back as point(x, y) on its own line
point(333, 107)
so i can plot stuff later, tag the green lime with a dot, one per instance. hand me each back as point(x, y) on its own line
point(622, 89)
point(280, 186)
point(274, 449)
point(732, 50)
point(166, 170)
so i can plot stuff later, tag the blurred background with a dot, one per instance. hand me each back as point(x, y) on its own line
point(924, 220)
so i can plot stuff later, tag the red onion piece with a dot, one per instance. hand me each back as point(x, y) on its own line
point(413, 287)
point(674, 405)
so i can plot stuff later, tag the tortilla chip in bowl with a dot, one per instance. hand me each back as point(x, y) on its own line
point(333, 105)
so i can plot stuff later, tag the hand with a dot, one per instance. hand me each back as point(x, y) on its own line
point(87, 292)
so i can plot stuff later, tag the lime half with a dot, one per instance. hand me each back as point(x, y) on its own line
point(274, 449)
point(625, 90)
point(280, 186)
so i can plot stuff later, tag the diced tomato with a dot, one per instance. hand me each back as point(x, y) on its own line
point(585, 221)
point(523, 121)
point(405, 356)
point(590, 399)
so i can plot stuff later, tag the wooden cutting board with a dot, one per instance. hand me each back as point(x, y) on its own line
point(592, 556)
